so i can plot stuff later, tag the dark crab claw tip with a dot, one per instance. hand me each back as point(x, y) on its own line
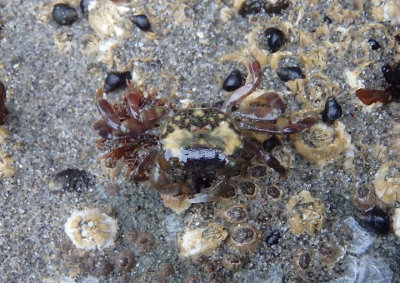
point(108, 113)
point(103, 129)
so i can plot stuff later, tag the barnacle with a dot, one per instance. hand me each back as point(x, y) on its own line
point(5, 161)
point(395, 138)
point(396, 222)
point(231, 262)
point(89, 229)
point(308, 214)
point(386, 11)
point(330, 253)
point(247, 188)
point(110, 27)
point(244, 238)
point(105, 19)
point(125, 260)
point(261, 55)
point(178, 204)
point(302, 261)
point(314, 91)
point(363, 197)
point(236, 213)
point(284, 154)
point(387, 182)
point(322, 143)
point(274, 192)
point(201, 241)
point(340, 14)
point(6, 165)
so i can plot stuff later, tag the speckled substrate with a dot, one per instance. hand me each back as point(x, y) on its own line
point(51, 98)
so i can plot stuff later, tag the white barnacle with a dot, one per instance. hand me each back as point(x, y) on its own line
point(201, 241)
point(89, 229)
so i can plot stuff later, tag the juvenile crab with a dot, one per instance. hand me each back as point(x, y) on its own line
point(193, 152)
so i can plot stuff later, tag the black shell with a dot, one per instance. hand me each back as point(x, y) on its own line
point(115, 80)
point(233, 81)
point(332, 110)
point(391, 73)
point(374, 44)
point(290, 73)
point(63, 14)
point(3, 109)
point(273, 238)
point(377, 220)
point(85, 6)
point(70, 180)
point(142, 22)
point(275, 39)
point(251, 7)
point(271, 143)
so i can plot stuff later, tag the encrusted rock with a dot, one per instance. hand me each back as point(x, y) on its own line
point(308, 214)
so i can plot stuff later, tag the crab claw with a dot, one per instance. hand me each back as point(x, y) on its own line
point(246, 90)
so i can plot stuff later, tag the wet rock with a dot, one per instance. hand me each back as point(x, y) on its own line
point(361, 241)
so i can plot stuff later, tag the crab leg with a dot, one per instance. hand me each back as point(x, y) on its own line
point(254, 148)
point(269, 106)
point(270, 99)
point(108, 114)
point(103, 129)
point(159, 180)
point(133, 103)
point(257, 114)
point(144, 166)
point(277, 130)
point(246, 90)
point(210, 193)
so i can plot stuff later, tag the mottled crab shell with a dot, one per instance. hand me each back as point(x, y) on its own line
point(200, 137)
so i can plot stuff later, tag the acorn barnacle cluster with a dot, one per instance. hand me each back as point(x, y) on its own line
point(308, 214)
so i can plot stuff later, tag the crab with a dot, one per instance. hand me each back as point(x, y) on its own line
point(193, 152)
